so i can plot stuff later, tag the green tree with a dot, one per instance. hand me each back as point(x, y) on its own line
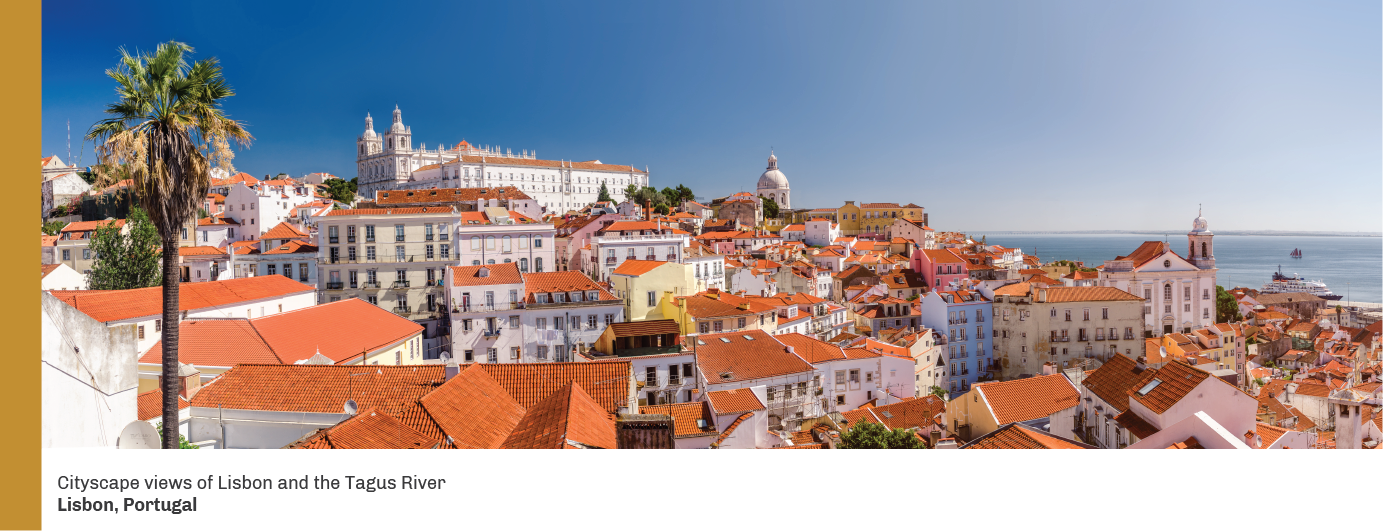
point(869, 435)
point(125, 261)
point(182, 441)
point(340, 190)
point(604, 193)
point(630, 191)
point(684, 194)
point(1226, 308)
point(202, 213)
point(53, 227)
point(166, 130)
point(937, 391)
point(770, 208)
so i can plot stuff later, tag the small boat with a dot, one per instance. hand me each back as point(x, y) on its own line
point(1296, 253)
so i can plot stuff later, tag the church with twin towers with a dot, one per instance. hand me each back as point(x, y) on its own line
point(391, 161)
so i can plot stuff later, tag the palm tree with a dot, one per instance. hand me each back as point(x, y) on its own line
point(164, 131)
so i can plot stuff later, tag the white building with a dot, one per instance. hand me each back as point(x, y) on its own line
point(751, 358)
point(774, 185)
point(61, 277)
point(638, 240)
point(500, 236)
point(269, 203)
point(501, 315)
point(1178, 293)
point(389, 162)
point(820, 232)
point(89, 378)
point(58, 189)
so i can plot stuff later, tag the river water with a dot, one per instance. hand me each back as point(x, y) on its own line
point(1351, 266)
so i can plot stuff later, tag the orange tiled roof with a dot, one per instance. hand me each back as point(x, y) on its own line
point(917, 413)
point(1176, 380)
point(368, 430)
point(395, 390)
point(811, 349)
point(1135, 424)
point(449, 195)
point(746, 355)
point(1028, 398)
point(151, 404)
point(284, 231)
point(645, 328)
point(561, 281)
point(684, 417)
point(734, 401)
point(1145, 252)
point(340, 330)
point(47, 268)
point(473, 409)
point(1019, 437)
point(203, 250)
point(216, 343)
point(585, 165)
point(293, 247)
point(731, 428)
point(565, 417)
point(636, 268)
point(493, 274)
point(1113, 381)
point(116, 305)
point(390, 211)
point(607, 382)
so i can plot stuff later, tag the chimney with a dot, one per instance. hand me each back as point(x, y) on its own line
point(1142, 363)
point(452, 370)
point(1250, 439)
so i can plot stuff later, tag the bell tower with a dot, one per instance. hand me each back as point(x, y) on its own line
point(1201, 244)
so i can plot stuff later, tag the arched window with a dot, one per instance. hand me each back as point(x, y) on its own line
point(1167, 292)
point(490, 261)
point(523, 265)
point(538, 265)
point(1204, 254)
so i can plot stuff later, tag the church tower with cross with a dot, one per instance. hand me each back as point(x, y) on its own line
point(1202, 243)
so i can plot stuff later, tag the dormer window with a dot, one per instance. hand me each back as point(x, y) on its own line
point(559, 297)
point(576, 296)
point(592, 295)
point(540, 298)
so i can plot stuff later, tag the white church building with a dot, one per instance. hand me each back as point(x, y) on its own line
point(774, 185)
point(391, 162)
point(1178, 292)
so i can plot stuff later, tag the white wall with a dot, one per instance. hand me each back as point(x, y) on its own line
point(64, 277)
point(88, 396)
point(237, 428)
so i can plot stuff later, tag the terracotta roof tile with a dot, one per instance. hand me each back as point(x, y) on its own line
point(561, 281)
point(565, 417)
point(202, 250)
point(486, 275)
point(284, 231)
point(473, 409)
point(1175, 380)
point(448, 195)
point(684, 417)
point(293, 247)
point(917, 413)
point(811, 349)
point(734, 401)
point(1019, 437)
point(1114, 381)
point(645, 328)
point(339, 330)
point(586, 165)
point(151, 404)
point(607, 383)
point(1135, 424)
point(395, 390)
point(1028, 398)
point(116, 305)
point(370, 429)
point(636, 268)
point(1145, 252)
point(1088, 293)
point(216, 343)
point(746, 355)
point(390, 211)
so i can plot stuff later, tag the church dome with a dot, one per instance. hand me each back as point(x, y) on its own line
point(1200, 224)
point(773, 179)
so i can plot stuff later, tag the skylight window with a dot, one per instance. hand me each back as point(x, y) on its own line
point(888, 415)
point(747, 337)
point(700, 342)
point(1148, 388)
point(725, 340)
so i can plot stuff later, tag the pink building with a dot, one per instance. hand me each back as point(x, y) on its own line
point(940, 266)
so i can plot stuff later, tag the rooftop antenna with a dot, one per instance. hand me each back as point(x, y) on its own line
point(69, 142)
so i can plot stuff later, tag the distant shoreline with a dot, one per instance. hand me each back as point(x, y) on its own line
point(1218, 233)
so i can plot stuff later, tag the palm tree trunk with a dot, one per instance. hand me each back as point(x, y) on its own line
point(171, 384)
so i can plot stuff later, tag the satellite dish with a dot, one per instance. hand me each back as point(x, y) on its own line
point(138, 435)
point(351, 408)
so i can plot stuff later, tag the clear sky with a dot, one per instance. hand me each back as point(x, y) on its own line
point(992, 115)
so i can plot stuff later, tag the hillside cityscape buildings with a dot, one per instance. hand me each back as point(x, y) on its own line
point(500, 302)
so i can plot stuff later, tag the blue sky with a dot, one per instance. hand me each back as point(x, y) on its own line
point(993, 116)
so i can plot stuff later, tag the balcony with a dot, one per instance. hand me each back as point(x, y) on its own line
point(1062, 339)
point(392, 259)
point(672, 258)
point(651, 257)
point(369, 239)
point(1127, 336)
point(427, 238)
point(333, 239)
point(489, 333)
point(334, 285)
point(350, 239)
point(484, 308)
point(571, 304)
point(402, 310)
point(369, 285)
point(609, 260)
point(399, 284)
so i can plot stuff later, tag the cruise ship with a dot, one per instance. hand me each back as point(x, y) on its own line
point(1293, 284)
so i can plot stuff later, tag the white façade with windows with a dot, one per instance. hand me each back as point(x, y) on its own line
point(499, 315)
point(256, 210)
point(666, 378)
point(1178, 292)
point(530, 245)
point(391, 162)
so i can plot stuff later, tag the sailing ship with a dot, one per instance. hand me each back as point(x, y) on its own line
point(1296, 253)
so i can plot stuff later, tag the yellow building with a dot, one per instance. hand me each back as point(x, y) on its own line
point(989, 405)
point(643, 283)
point(874, 218)
point(349, 332)
point(714, 311)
